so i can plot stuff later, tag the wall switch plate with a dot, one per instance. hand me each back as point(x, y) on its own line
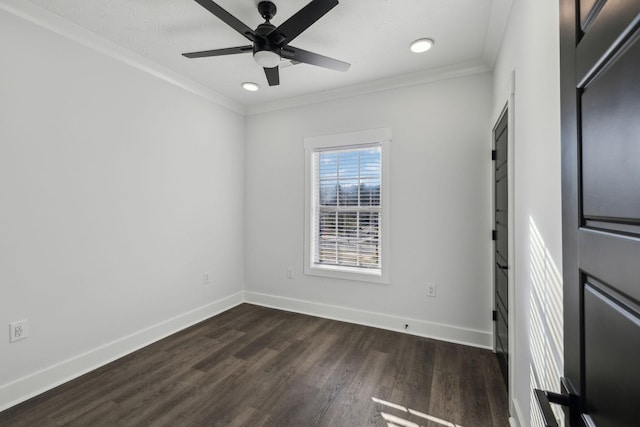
point(289, 272)
point(431, 289)
point(205, 278)
point(18, 330)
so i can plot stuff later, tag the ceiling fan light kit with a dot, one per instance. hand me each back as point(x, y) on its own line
point(266, 58)
point(421, 45)
point(270, 44)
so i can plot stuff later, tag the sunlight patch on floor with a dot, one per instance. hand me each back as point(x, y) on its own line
point(397, 421)
point(394, 420)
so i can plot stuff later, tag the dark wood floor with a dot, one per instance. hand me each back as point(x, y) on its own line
point(254, 366)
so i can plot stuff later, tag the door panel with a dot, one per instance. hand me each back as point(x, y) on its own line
point(610, 147)
point(625, 250)
point(502, 289)
point(611, 26)
point(611, 349)
point(502, 343)
point(600, 96)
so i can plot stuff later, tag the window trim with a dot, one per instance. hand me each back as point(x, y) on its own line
point(340, 141)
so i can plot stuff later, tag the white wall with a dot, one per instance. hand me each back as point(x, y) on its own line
point(440, 209)
point(530, 47)
point(118, 191)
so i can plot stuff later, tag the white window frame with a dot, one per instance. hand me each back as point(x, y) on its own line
point(342, 141)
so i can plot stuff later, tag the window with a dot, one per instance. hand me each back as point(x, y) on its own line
point(347, 206)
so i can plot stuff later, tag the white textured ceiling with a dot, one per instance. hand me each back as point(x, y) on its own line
point(372, 35)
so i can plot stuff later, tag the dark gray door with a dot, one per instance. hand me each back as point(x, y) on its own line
point(501, 246)
point(600, 84)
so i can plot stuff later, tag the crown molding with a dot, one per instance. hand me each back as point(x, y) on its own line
point(52, 22)
point(413, 79)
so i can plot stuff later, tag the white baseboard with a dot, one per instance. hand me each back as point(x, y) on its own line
point(27, 387)
point(449, 333)
point(516, 416)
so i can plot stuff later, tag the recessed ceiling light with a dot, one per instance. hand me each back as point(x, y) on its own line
point(421, 45)
point(250, 86)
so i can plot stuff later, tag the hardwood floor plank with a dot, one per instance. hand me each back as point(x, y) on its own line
point(245, 418)
point(256, 366)
point(415, 361)
point(176, 409)
point(95, 417)
point(497, 401)
point(475, 404)
point(445, 393)
point(355, 405)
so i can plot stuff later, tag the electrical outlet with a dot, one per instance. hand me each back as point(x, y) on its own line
point(431, 289)
point(205, 278)
point(289, 272)
point(18, 330)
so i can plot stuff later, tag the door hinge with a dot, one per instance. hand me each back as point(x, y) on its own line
point(494, 235)
point(494, 315)
point(493, 154)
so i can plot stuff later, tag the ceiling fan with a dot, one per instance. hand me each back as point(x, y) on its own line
point(270, 43)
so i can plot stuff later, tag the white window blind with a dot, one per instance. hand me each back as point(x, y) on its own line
point(346, 207)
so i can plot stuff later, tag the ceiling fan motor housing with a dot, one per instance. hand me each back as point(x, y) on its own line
point(265, 52)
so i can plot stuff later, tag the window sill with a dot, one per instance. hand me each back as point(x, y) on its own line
point(347, 273)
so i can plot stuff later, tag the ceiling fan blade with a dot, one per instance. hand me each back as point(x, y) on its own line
point(302, 20)
point(219, 52)
point(273, 76)
point(228, 18)
point(300, 55)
